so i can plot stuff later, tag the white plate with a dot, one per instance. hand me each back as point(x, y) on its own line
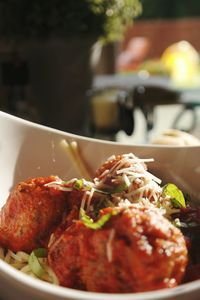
point(30, 150)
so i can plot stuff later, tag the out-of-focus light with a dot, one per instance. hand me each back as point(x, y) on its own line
point(143, 74)
point(182, 61)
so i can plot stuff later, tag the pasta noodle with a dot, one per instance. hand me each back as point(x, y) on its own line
point(75, 157)
point(20, 261)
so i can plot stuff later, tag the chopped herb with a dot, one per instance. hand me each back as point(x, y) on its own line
point(101, 191)
point(34, 263)
point(88, 222)
point(79, 183)
point(176, 195)
point(118, 189)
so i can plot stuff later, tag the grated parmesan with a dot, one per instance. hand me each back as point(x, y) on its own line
point(109, 251)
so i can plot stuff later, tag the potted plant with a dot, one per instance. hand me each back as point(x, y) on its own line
point(55, 38)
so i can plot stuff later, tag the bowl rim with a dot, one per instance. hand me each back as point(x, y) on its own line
point(38, 126)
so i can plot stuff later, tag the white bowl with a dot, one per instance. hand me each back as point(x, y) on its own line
point(30, 150)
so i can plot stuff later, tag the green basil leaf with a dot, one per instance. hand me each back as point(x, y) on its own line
point(88, 222)
point(176, 195)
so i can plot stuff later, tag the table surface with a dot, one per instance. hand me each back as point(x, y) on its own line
point(188, 94)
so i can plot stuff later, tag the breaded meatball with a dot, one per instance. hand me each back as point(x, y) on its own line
point(136, 250)
point(31, 212)
point(126, 177)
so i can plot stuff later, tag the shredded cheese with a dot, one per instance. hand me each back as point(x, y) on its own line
point(132, 171)
point(126, 180)
point(109, 251)
point(90, 198)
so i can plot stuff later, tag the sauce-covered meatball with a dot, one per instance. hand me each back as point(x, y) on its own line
point(31, 212)
point(136, 250)
point(126, 177)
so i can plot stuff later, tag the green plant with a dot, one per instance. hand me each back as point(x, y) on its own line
point(106, 19)
point(116, 15)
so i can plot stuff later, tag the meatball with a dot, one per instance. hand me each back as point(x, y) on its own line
point(108, 170)
point(126, 177)
point(74, 199)
point(136, 250)
point(31, 212)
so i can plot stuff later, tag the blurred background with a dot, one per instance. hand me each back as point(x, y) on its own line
point(120, 70)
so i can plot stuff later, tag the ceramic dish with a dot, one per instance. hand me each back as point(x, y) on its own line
point(30, 150)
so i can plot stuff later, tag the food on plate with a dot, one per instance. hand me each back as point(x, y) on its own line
point(136, 250)
point(30, 214)
point(120, 232)
point(126, 177)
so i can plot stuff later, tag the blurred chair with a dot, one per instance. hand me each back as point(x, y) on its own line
point(146, 98)
point(112, 109)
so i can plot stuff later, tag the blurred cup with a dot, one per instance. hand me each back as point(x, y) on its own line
point(104, 109)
